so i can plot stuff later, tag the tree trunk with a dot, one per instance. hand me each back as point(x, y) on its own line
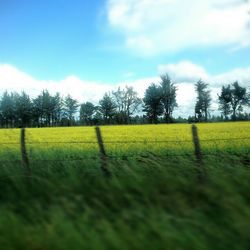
point(234, 114)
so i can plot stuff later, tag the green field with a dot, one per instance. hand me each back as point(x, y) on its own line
point(153, 200)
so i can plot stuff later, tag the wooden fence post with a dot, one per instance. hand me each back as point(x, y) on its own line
point(104, 165)
point(25, 159)
point(198, 153)
point(197, 146)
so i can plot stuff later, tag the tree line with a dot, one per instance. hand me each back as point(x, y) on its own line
point(122, 106)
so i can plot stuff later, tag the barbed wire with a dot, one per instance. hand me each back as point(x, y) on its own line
point(124, 141)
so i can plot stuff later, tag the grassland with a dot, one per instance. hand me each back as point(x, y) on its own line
point(152, 201)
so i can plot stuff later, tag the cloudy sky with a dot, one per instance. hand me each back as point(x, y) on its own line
point(85, 48)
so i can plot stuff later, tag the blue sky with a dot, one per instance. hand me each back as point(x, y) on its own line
point(53, 39)
point(77, 44)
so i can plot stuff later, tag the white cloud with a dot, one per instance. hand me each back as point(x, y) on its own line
point(155, 26)
point(184, 74)
point(188, 72)
point(14, 79)
point(239, 74)
point(184, 71)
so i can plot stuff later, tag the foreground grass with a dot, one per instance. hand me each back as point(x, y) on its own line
point(149, 203)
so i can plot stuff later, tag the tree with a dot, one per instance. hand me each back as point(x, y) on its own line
point(87, 111)
point(107, 108)
point(57, 108)
point(225, 101)
point(70, 108)
point(97, 117)
point(37, 112)
point(43, 109)
point(23, 109)
point(152, 103)
point(203, 101)
point(119, 99)
point(131, 101)
point(127, 102)
point(7, 109)
point(239, 98)
point(168, 97)
point(47, 107)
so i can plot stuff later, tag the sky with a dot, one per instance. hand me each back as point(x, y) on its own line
point(85, 48)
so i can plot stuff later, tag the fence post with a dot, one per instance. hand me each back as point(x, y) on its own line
point(198, 153)
point(25, 159)
point(104, 165)
point(197, 146)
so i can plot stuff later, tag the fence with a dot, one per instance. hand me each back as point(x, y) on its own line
point(103, 156)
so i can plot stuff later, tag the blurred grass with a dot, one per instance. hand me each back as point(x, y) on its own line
point(149, 203)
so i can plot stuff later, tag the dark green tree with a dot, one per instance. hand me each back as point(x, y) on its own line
point(56, 108)
point(225, 99)
point(152, 103)
point(107, 108)
point(47, 107)
point(23, 109)
point(37, 112)
point(70, 108)
point(43, 109)
point(7, 109)
point(203, 102)
point(239, 98)
point(87, 111)
point(168, 97)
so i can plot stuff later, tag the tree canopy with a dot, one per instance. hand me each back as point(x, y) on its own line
point(122, 106)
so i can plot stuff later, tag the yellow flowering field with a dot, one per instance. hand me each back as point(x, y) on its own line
point(144, 139)
point(126, 140)
point(10, 144)
point(61, 143)
point(231, 137)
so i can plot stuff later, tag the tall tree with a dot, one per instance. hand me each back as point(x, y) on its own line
point(225, 99)
point(37, 113)
point(70, 108)
point(107, 108)
point(23, 108)
point(127, 102)
point(168, 97)
point(118, 97)
point(57, 108)
point(87, 111)
point(43, 109)
point(132, 102)
point(239, 98)
point(152, 103)
point(7, 109)
point(47, 107)
point(203, 101)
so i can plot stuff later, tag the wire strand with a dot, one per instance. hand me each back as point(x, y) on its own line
point(121, 142)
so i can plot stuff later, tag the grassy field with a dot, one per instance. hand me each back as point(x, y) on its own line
point(154, 199)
